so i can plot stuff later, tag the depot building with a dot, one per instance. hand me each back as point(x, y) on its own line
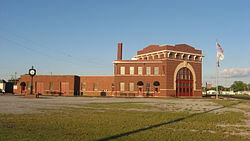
point(156, 71)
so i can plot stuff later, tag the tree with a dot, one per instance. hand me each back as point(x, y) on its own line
point(239, 86)
point(14, 81)
point(221, 88)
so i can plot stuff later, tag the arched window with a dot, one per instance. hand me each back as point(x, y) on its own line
point(156, 83)
point(139, 83)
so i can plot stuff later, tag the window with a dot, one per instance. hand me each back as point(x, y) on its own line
point(184, 57)
point(122, 86)
point(51, 86)
point(28, 85)
point(131, 86)
point(156, 70)
point(122, 70)
point(131, 70)
point(196, 58)
point(148, 70)
point(139, 70)
point(95, 86)
point(83, 86)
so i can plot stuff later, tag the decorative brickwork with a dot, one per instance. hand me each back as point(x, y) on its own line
point(157, 70)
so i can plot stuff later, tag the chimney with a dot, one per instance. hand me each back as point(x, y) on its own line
point(119, 51)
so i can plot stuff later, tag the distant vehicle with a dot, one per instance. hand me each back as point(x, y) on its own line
point(2, 91)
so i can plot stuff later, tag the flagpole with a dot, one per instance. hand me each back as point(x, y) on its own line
point(217, 69)
point(217, 72)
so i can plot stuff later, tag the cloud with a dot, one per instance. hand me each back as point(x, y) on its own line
point(235, 73)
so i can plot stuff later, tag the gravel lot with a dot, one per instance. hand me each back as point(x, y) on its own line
point(10, 104)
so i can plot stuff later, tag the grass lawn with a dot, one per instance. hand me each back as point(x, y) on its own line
point(122, 121)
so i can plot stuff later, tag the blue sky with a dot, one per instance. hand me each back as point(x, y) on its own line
point(80, 36)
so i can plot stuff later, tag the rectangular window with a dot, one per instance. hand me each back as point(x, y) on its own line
point(122, 86)
point(148, 70)
point(131, 70)
point(131, 86)
point(95, 86)
point(51, 86)
point(139, 70)
point(156, 70)
point(28, 85)
point(83, 86)
point(122, 70)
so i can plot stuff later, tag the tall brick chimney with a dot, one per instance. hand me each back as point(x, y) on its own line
point(119, 51)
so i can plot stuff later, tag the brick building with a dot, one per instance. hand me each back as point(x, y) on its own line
point(65, 85)
point(160, 70)
point(157, 70)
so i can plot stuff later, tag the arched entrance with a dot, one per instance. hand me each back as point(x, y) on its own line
point(156, 87)
point(140, 88)
point(184, 82)
point(23, 87)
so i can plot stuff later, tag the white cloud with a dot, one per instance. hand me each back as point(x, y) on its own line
point(235, 72)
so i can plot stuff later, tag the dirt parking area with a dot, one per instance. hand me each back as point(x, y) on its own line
point(20, 105)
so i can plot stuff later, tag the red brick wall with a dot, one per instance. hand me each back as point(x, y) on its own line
point(171, 66)
point(45, 81)
point(127, 78)
point(167, 68)
point(104, 83)
point(68, 85)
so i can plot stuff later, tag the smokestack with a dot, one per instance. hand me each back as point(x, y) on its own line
point(119, 51)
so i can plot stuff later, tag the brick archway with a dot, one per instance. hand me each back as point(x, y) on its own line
point(183, 65)
point(184, 82)
point(23, 87)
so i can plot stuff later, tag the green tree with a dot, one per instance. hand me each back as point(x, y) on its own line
point(221, 88)
point(239, 86)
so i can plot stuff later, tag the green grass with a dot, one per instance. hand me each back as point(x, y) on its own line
point(92, 124)
point(226, 103)
point(239, 95)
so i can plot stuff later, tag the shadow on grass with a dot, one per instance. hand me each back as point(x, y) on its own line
point(164, 123)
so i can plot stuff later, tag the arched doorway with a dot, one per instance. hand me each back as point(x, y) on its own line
point(103, 93)
point(184, 82)
point(140, 88)
point(23, 87)
point(156, 87)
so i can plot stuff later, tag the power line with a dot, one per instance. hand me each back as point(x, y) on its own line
point(36, 51)
point(58, 51)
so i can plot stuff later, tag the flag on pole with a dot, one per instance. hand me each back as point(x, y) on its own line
point(219, 47)
point(220, 55)
point(219, 51)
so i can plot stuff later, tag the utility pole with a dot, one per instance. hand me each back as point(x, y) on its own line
point(206, 89)
point(15, 78)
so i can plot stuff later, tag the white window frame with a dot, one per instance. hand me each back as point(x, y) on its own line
point(148, 70)
point(156, 70)
point(122, 86)
point(122, 70)
point(131, 70)
point(131, 86)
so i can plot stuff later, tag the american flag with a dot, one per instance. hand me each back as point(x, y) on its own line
point(219, 47)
